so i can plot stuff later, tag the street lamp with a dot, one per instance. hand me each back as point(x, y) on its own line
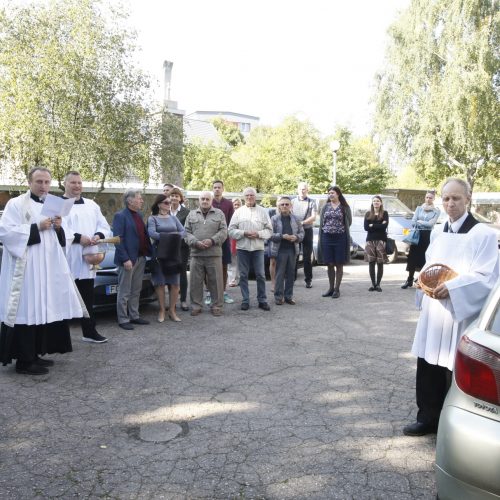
point(334, 146)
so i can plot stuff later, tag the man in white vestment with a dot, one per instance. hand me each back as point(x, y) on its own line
point(84, 227)
point(37, 292)
point(471, 250)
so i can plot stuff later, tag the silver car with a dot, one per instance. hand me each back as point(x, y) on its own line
point(468, 439)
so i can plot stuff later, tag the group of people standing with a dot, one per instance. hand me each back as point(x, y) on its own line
point(45, 279)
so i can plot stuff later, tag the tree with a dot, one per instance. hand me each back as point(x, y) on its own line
point(276, 159)
point(437, 102)
point(70, 95)
point(358, 167)
point(204, 163)
point(229, 132)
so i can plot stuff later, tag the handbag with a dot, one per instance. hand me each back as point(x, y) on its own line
point(390, 246)
point(413, 237)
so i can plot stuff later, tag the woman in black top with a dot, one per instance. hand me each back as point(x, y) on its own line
point(376, 222)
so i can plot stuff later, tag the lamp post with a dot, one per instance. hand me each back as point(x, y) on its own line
point(334, 146)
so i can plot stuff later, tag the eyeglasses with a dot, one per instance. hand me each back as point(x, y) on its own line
point(284, 204)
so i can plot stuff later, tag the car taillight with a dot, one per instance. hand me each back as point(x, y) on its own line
point(477, 371)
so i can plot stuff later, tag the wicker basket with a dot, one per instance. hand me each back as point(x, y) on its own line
point(433, 276)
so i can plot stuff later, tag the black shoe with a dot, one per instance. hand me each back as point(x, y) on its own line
point(308, 284)
point(139, 321)
point(371, 289)
point(378, 289)
point(43, 362)
point(245, 306)
point(32, 369)
point(290, 301)
point(406, 284)
point(126, 326)
point(329, 293)
point(335, 294)
point(419, 429)
point(95, 338)
point(264, 306)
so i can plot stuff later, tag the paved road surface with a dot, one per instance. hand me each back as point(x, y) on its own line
point(303, 402)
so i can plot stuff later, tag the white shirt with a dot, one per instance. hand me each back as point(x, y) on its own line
point(85, 218)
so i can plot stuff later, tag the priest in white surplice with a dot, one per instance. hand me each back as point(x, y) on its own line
point(37, 292)
point(84, 227)
point(471, 250)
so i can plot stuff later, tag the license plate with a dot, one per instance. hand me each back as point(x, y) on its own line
point(111, 289)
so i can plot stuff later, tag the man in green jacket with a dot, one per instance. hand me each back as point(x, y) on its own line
point(206, 231)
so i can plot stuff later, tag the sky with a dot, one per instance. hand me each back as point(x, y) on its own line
point(314, 59)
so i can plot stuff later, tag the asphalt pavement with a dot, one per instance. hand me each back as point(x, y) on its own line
point(302, 402)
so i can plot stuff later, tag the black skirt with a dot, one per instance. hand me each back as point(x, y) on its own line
point(416, 257)
point(25, 342)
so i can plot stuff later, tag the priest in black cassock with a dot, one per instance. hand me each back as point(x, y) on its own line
point(471, 250)
point(37, 292)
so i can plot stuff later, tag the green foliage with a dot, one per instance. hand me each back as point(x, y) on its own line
point(275, 159)
point(205, 163)
point(170, 147)
point(409, 179)
point(358, 167)
point(229, 132)
point(70, 96)
point(437, 103)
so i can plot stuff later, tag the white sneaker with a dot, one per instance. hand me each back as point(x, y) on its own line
point(227, 298)
point(208, 299)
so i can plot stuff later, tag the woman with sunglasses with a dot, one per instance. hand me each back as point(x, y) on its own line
point(161, 221)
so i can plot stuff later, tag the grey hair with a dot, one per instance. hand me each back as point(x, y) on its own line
point(129, 194)
point(303, 183)
point(465, 185)
point(205, 193)
point(249, 190)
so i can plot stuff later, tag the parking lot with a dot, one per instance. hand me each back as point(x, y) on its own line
point(305, 401)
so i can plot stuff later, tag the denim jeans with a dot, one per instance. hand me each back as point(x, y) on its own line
point(256, 259)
